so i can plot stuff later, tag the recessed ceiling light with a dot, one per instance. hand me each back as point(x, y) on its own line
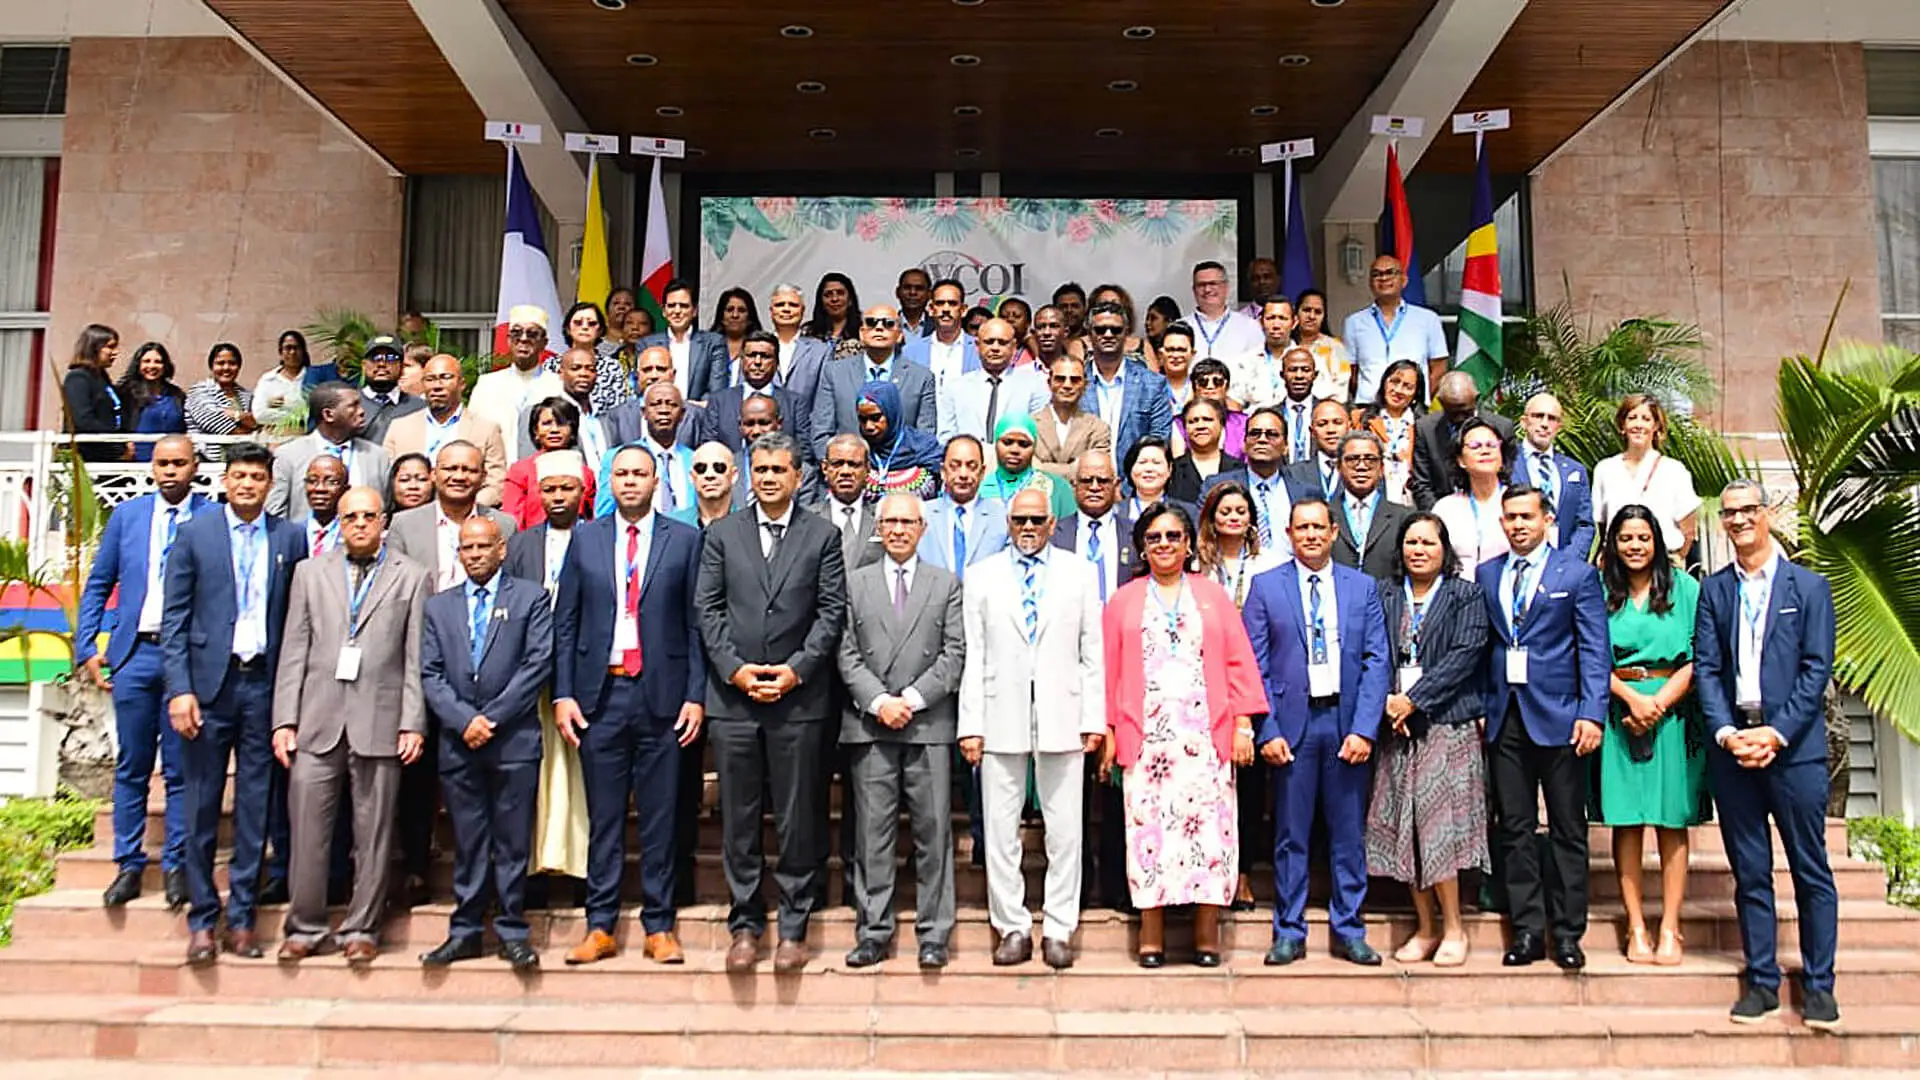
point(966, 151)
point(1240, 151)
point(641, 59)
point(669, 111)
point(969, 3)
point(1108, 133)
point(964, 60)
point(610, 5)
point(810, 87)
point(696, 151)
point(1123, 86)
point(821, 134)
point(966, 110)
point(1295, 60)
point(1263, 110)
point(1137, 33)
point(796, 31)
point(1326, 3)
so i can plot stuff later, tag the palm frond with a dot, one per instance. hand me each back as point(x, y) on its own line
point(1873, 566)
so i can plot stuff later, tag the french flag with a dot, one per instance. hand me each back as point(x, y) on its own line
point(526, 272)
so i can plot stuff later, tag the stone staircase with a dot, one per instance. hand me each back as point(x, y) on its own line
point(101, 993)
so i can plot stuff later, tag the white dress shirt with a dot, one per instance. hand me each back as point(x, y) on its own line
point(1536, 562)
point(621, 568)
point(681, 346)
point(322, 538)
point(1108, 394)
point(250, 584)
point(947, 360)
point(1110, 544)
point(964, 396)
point(1754, 594)
point(553, 557)
point(675, 488)
point(1274, 507)
point(785, 521)
point(150, 607)
point(845, 516)
point(895, 570)
point(787, 349)
point(1322, 679)
point(446, 537)
point(439, 434)
point(1233, 338)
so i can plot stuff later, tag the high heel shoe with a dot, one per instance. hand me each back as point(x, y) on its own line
point(1639, 947)
point(1416, 950)
point(1669, 954)
point(1242, 896)
point(1451, 953)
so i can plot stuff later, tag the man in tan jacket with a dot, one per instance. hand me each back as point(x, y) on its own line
point(1065, 430)
point(445, 419)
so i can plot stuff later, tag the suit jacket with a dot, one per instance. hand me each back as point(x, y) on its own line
point(1145, 405)
point(924, 647)
point(919, 349)
point(1572, 500)
point(1305, 478)
point(1796, 659)
point(368, 467)
point(1277, 625)
point(372, 711)
point(626, 423)
point(1569, 656)
point(836, 404)
point(1054, 687)
point(121, 562)
point(1453, 641)
point(1383, 536)
point(196, 623)
point(1086, 432)
point(527, 555)
point(381, 414)
point(720, 420)
point(787, 610)
point(1434, 454)
point(408, 435)
point(672, 659)
point(802, 379)
point(514, 668)
point(1066, 537)
point(1184, 483)
point(709, 365)
point(415, 533)
point(864, 549)
point(986, 531)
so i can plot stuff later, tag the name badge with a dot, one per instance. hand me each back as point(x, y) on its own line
point(348, 667)
point(1517, 667)
point(626, 632)
point(1317, 650)
point(1323, 680)
point(1409, 675)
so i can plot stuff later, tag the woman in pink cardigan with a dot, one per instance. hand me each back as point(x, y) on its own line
point(1182, 692)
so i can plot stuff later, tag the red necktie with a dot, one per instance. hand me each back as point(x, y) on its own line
point(630, 659)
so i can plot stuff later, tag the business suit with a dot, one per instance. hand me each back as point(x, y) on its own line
point(1315, 728)
point(630, 747)
point(921, 648)
point(348, 731)
point(1569, 663)
point(408, 435)
point(490, 791)
point(801, 378)
point(367, 466)
point(1058, 456)
point(415, 533)
point(1796, 661)
point(919, 349)
point(1435, 450)
point(124, 562)
point(1145, 407)
point(202, 608)
point(709, 366)
point(836, 404)
point(1571, 489)
point(1309, 477)
point(1383, 535)
point(1033, 701)
point(383, 409)
point(861, 546)
point(985, 529)
point(787, 609)
point(1105, 861)
point(720, 420)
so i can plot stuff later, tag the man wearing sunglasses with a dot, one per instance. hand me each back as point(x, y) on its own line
point(1129, 396)
point(380, 365)
point(836, 405)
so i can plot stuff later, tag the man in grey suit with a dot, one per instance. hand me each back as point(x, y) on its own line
point(338, 411)
point(347, 714)
point(800, 357)
point(843, 504)
point(836, 404)
point(1366, 524)
point(901, 656)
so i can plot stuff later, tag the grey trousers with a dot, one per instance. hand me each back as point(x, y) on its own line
point(315, 787)
point(879, 774)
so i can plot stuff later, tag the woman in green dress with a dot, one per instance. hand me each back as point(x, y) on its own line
point(1651, 767)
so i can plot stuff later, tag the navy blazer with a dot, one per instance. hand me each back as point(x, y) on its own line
point(515, 666)
point(1572, 499)
point(672, 658)
point(1569, 655)
point(1796, 658)
point(1453, 646)
point(720, 420)
point(527, 555)
point(836, 403)
point(709, 365)
point(196, 624)
point(122, 561)
point(1277, 624)
point(1146, 406)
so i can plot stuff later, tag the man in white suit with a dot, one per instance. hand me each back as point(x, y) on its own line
point(1033, 622)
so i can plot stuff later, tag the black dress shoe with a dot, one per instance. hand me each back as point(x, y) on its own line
point(1285, 951)
point(520, 955)
point(175, 885)
point(1206, 958)
point(451, 951)
point(1154, 959)
point(1527, 948)
point(414, 893)
point(273, 892)
point(1242, 905)
point(867, 953)
point(1354, 950)
point(933, 957)
point(125, 888)
point(1567, 955)
point(1756, 1004)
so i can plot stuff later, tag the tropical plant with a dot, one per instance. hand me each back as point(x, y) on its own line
point(343, 335)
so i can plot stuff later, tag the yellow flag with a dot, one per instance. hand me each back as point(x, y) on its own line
point(596, 279)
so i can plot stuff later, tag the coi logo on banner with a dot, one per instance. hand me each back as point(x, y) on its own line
point(981, 280)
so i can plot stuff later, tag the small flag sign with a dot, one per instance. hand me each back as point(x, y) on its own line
point(579, 143)
point(649, 146)
point(1399, 127)
point(1467, 123)
point(1291, 150)
point(508, 131)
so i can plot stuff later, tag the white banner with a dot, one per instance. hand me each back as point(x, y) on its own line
point(994, 247)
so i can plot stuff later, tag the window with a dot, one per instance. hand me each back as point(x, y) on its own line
point(33, 80)
point(23, 318)
point(453, 255)
point(1442, 279)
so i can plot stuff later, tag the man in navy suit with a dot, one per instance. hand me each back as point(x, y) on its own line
point(226, 602)
point(1763, 652)
point(759, 363)
point(132, 558)
point(485, 656)
point(1128, 395)
point(1321, 640)
point(629, 689)
point(836, 404)
point(1563, 480)
point(1547, 677)
point(702, 354)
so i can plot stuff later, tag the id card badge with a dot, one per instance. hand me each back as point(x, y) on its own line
point(1323, 680)
point(1516, 667)
point(348, 667)
point(1409, 675)
point(1317, 650)
point(626, 633)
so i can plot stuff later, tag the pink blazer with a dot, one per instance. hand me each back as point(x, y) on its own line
point(1234, 686)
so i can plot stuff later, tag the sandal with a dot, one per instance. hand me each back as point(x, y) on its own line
point(1639, 947)
point(1416, 950)
point(1451, 953)
point(1669, 954)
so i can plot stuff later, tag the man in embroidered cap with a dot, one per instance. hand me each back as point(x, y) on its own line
point(500, 395)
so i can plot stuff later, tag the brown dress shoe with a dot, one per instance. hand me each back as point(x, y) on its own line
point(292, 951)
point(201, 950)
point(244, 943)
point(360, 952)
point(790, 956)
point(744, 953)
point(1015, 948)
point(1058, 954)
point(664, 948)
point(596, 946)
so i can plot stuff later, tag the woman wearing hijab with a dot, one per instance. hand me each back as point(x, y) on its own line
point(903, 459)
point(1013, 442)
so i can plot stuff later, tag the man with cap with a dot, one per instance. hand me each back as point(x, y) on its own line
point(380, 364)
point(500, 395)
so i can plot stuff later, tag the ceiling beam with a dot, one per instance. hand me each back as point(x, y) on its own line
point(1427, 79)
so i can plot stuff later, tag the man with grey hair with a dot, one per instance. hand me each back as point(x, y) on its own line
point(1562, 478)
point(801, 357)
point(1366, 534)
point(338, 411)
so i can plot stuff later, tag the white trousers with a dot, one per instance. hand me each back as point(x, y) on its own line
point(1003, 791)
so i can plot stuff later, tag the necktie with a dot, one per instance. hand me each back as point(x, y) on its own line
point(248, 558)
point(1360, 520)
point(1520, 597)
point(1030, 597)
point(1262, 490)
point(993, 400)
point(960, 542)
point(479, 624)
point(899, 591)
point(173, 530)
point(774, 529)
point(847, 522)
point(1333, 474)
point(630, 659)
point(1318, 649)
point(1093, 556)
point(1299, 432)
point(663, 464)
point(1543, 471)
point(877, 373)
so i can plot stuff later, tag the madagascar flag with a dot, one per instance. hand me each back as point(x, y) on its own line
point(1479, 350)
point(1396, 231)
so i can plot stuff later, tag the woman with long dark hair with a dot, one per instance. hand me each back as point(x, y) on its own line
point(836, 314)
point(1332, 363)
point(1402, 386)
point(734, 317)
point(552, 424)
point(93, 405)
point(153, 404)
point(280, 397)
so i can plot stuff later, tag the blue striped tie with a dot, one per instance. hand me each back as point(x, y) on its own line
point(479, 624)
point(1030, 596)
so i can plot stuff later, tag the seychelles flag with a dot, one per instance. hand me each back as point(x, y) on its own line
point(526, 273)
point(1479, 350)
point(1396, 231)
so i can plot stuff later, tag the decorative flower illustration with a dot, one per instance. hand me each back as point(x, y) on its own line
point(868, 226)
point(1080, 229)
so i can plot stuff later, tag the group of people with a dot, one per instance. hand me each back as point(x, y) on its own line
point(1185, 594)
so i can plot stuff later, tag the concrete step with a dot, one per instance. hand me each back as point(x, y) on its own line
point(78, 1069)
point(1003, 1039)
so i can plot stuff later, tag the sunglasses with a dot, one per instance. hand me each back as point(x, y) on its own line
point(1210, 380)
point(522, 333)
point(704, 468)
point(1107, 331)
point(1069, 380)
point(1096, 481)
point(1264, 433)
point(1155, 539)
point(1027, 519)
point(879, 324)
point(1362, 459)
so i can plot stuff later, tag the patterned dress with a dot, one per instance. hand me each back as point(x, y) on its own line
point(1183, 843)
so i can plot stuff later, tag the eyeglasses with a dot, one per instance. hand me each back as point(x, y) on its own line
point(1735, 513)
point(1106, 331)
point(704, 468)
point(1027, 519)
point(1155, 539)
point(1210, 380)
point(1254, 434)
point(1480, 444)
point(872, 323)
point(1220, 284)
point(1383, 275)
point(1069, 380)
point(1543, 416)
point(898, 522)
point(1361, 459)
point(1096, 481)
point(522, 333)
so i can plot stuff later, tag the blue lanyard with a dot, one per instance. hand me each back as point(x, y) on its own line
point(1170, 613)
point(1386, 332)
point(1219, 328)
point(1417, 613)
point(249, 559)
point(357, 599)
point(1753, 611)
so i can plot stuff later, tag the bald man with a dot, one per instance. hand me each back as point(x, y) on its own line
point(446, 419)
point(1436, 437)
point(1391, 329)
point(971, 402)
point(836, 404)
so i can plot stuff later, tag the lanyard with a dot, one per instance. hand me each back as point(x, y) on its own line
point(1387, 332)
point(249, 559)
point(1171, 612)
point(1416, 612)
point(1219, 328)
point(1753, 611)
point(356, 599)
point(1239, 587)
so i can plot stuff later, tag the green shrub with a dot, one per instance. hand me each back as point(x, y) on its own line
point(32, 833)
point(1895, 845)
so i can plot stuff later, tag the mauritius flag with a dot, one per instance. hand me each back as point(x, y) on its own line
point(1480, 330)
point(1396, 231)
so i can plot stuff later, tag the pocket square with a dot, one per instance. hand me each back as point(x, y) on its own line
point(1558, 596)
point(1788, 610)
point(1573, 477)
